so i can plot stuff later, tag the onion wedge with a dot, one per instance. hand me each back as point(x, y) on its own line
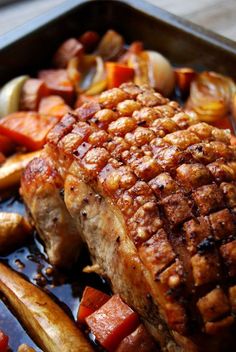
point(10, 95)
point(48, 324)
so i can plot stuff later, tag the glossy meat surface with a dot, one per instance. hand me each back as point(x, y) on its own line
point(152, 193)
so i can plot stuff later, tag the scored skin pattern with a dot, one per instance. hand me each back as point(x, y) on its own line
point(173, 181)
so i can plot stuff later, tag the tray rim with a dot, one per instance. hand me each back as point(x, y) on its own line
point(11, 37)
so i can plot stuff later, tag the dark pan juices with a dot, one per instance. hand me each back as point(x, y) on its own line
point(65, 287)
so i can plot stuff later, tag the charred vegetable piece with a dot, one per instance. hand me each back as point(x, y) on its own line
point(6, 145)
point(14, 231)
point(92, 300)
point(3, 342)
point(118, 74)
point(111, 45)
point(11, 170)
point(112, 322)
point(27, 128)
point(139, 340)
point(67, 50)
point(10, 95)
point(58, 83)
point(89, 40)
point(53, 105)
point(32, 92)
point(47, 323)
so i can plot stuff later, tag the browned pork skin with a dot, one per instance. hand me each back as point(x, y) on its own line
point(154, 196)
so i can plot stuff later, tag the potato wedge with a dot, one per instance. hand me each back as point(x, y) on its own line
point(46, 322)
point(14, 230)
point(11, 169)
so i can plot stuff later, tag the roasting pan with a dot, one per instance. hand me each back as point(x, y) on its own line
point(29, 47)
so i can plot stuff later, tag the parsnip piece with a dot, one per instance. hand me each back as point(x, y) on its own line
point(14, 230)
point(47, 323)
point(11, 169)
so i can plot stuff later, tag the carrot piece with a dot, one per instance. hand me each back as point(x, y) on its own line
point(118, 74)
point(27, 128)
point(58, 83)
point(92, 299)
point(6, 145)
point(32, 92)
point(3, 342)
point(139, 340)
point(66, 51)
point(53, 105)
point(112, 322)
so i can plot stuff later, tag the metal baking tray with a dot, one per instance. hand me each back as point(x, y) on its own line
point(31, 46)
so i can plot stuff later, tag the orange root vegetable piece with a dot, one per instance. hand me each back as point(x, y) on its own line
point(139, 340)
point(6, 145)
point(183, 78)
point(67, 50)
point(32, 92)
point(112, 322)
point(27, 128)
point(118, 74)
point(92, 300)
point(48, 324)
point(58, 83)
point(89, 40)
point(53, 105)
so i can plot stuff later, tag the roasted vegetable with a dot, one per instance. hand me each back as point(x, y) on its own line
point(27, 128)
point(118, 74)
point(58, 83)
point(111, 45)
point(153, 69)
point(67, 50)
point(138, 341)
point(112, 322)
point(89, 40)
point(14, 231)
point(47, 323)
point(10, 95)
point(92, 299)
point(53, 105)
point(10, 171)
point(211, 96)
point(32, 92)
